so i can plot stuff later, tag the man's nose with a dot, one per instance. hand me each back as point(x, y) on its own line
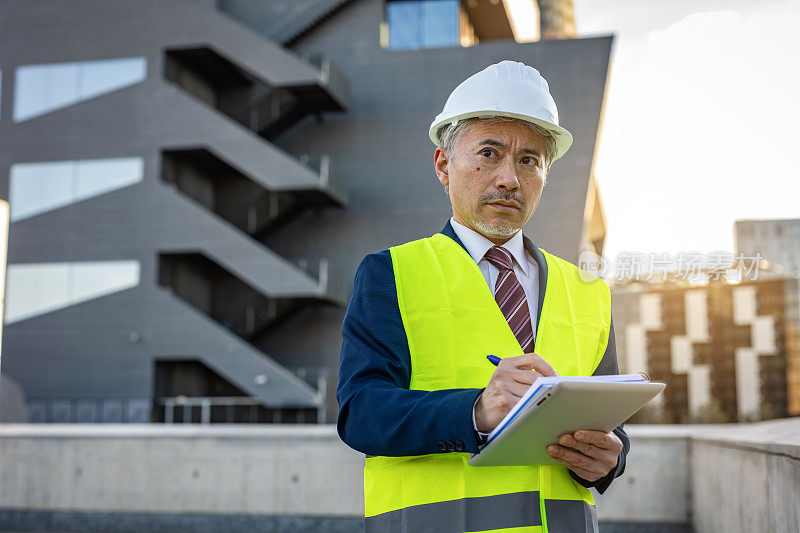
point(507, 175)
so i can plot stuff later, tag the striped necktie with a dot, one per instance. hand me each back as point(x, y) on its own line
point(510, 297)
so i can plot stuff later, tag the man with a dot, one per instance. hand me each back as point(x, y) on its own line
point(416, 393)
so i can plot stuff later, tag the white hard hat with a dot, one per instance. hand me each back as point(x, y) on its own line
point(508, 89)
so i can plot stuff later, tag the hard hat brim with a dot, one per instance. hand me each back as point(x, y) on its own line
point(562, 137)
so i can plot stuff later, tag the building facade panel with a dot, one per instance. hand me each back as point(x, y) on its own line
point(727, 351)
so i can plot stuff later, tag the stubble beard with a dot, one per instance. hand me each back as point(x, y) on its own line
point(493, 230)
point(497, 230)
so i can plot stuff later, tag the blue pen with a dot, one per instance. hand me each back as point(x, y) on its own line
point(493, 359)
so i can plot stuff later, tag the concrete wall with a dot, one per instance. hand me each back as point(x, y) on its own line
point(747, 479)
point(140, 468)
point(303, 478)
point(137, 478)
point(654, 487)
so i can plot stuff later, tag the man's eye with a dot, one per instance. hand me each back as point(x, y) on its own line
point(529, 160)
point(487, 152)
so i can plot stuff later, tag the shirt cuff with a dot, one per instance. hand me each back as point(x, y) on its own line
point(482, 437)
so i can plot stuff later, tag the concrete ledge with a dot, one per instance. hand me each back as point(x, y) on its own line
point(120, 478)
point(674, 431)
point(267, 470)
point(776, 437)
point(160, 431)
point(747, 477)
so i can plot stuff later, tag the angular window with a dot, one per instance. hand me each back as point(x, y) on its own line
point(37, 288)
point(403, 21)
point(422, 23)
point(439, 23)
point(40, 89)
point(38, 187)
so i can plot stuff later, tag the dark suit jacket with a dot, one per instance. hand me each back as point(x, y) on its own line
point(378, 414)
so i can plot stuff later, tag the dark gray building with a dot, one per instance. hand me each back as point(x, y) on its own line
point(193, 185)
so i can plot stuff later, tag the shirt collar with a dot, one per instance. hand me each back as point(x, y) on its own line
point(477, 245)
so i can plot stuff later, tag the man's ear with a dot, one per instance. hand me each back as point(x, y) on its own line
point(440, 161)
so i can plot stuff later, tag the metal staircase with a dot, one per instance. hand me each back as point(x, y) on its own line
point(220, 171)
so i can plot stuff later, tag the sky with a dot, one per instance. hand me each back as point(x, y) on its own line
point(700, 119)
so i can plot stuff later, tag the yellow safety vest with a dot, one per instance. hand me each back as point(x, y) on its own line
point(452, 321)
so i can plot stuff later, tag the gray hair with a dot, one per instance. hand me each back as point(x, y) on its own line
point(449, 135)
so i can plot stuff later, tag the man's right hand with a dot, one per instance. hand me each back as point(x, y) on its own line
point(508, 384)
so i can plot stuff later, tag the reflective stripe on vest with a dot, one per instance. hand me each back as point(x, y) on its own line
point(517, 510)
point(452, 321)
point(570, 515)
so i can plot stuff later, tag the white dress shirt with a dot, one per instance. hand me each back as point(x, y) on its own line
point(525, 268)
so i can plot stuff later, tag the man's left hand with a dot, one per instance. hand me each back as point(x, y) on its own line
point(590, 454)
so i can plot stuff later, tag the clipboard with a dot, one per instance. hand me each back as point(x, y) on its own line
point(565, 406)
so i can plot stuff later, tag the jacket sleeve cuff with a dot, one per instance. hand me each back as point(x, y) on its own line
point(602, 484)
